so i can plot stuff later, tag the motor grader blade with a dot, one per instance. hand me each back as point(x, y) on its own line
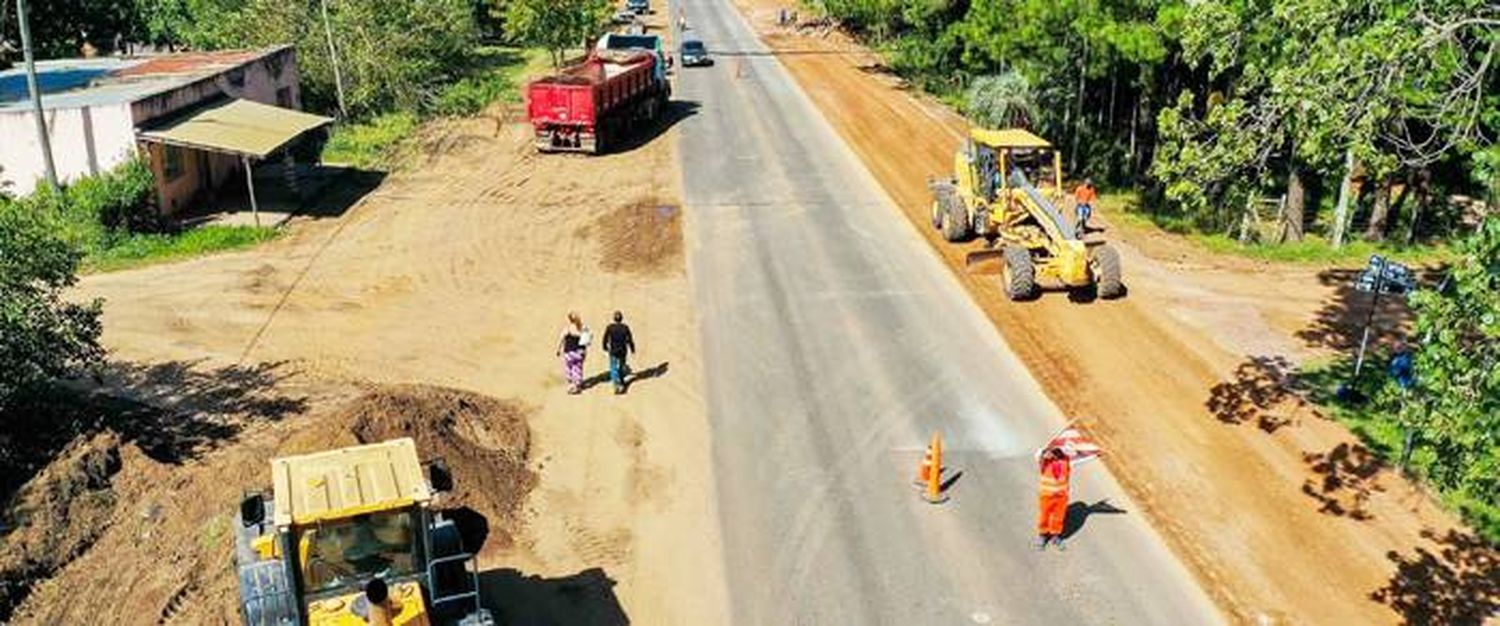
point(986, 261)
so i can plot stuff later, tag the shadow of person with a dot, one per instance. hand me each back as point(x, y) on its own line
point(1079, 512)
point(583, 599)
point(593, 380)
point(635, 376)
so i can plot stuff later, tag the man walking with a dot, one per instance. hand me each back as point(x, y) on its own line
point(1084, 197)
point(619, 344)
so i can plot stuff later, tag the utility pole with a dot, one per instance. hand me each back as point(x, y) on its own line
point(333, 57)
point(36, 95)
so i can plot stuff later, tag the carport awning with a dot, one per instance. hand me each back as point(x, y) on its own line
point(239, 127)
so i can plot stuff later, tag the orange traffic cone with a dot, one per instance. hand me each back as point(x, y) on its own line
point(934, 492)
point(926, 468)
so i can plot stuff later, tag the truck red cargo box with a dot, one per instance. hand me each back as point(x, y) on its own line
point(584, 106)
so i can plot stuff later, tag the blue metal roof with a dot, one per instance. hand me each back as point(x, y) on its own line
point(68, 83)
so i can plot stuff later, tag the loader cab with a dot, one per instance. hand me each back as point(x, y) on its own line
point(341, 519)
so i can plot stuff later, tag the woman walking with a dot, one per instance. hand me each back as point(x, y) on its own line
point(572, 346)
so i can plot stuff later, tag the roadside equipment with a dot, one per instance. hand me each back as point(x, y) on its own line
point(589, 106)
point(340, 520)
point(993, 194)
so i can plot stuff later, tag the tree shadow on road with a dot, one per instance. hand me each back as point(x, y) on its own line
point(1079, 513)
point(1347, 480)
point(1457, 585)
point(173, 411)
point(1340, 321)
point(178, 410)
point(1263, 390)
point(583, 599)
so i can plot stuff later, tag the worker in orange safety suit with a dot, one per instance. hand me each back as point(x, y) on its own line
point(1052, 497)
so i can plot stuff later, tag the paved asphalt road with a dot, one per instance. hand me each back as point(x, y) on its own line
point(835, 344)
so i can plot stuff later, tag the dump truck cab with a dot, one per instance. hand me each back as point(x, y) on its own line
point(338, 520)
point(1006, 188)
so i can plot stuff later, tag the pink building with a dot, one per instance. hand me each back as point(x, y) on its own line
point(100, 110)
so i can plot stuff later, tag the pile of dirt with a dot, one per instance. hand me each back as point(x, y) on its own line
point(106, 515)
point(640, 238)
point(58, 515)
point(484, 441)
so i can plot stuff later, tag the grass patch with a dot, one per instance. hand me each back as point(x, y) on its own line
point(109, 218)
point(374, 144)
point(498, 76)
point(137, 249)
point(383, 142)
point(1315, 250)
point(1381, 433)
point(1312, 250)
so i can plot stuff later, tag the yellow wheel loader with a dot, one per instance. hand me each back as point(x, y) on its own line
point(1006, 187)
point(349, 538)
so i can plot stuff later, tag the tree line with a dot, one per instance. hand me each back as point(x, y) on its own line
point(1356, 118)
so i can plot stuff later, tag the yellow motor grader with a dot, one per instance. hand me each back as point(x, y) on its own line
point(349, 539)
point(1005, 188)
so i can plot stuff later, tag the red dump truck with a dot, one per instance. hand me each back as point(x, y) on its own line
point(589, 106)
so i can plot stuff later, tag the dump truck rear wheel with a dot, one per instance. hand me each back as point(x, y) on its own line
point(1106, 262)
point(1019, 273)
point(955, 224)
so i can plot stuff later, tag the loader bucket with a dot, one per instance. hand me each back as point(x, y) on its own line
point(986, 261)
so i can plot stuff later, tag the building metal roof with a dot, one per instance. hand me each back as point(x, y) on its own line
point(238, 127)
point(348, 481)
point(72, 83)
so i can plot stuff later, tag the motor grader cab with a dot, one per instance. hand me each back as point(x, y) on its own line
point(341, 519)
point(1006, 188)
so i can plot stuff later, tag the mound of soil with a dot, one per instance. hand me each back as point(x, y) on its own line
point(107, 516)
point(58, 515)
point(483, 440)
point(640, 238)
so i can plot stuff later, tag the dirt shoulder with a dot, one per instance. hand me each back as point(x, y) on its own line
point(1280, 513)
point(457, 273)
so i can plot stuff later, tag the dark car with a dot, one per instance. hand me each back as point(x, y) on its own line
point(641, 7)
point(695, 53)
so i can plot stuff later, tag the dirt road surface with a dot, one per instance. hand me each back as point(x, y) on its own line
point(458, 273)
point(837, 344)
point(1281, 514)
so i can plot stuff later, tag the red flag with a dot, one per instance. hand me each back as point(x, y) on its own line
point(1074, 443)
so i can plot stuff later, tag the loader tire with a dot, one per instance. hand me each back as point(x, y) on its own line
point(1019, 275)
point(1106, 266)
point(955, 220)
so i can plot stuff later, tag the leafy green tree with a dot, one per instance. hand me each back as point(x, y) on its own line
point(1454, 407)
point(556, 25)
point(1000, 101)
point(60, 28)
point(1322, 88)
point(42, 335)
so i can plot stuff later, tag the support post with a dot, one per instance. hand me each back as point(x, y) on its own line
point(250, 185)
point(333, 58)
point(1364, 340)
point(1341, 210)
point(36, 95)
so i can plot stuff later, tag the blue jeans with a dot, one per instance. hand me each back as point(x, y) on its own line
point(618, 370)
point(1084, 212)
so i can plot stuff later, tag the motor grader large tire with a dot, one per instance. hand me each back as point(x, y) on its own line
point(1105, 262)
point(953, 219)
point(1019, 275)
